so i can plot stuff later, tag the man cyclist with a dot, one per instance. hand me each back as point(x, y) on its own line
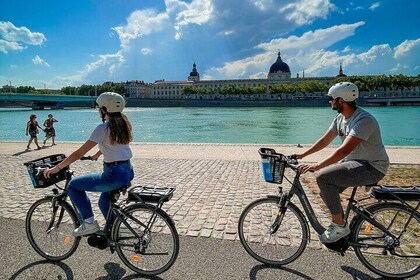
point(361, 159)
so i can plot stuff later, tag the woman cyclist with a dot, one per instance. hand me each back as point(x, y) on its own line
point(113, 138)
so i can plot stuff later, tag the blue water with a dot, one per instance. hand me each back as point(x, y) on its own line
point(400, 126)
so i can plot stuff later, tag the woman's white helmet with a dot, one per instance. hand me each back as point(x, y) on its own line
point(345, 90)
point(113, 102)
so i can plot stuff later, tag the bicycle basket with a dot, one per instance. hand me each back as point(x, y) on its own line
point(36, 168)
point(273, 165)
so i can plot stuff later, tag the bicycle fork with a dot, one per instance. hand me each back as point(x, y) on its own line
point(282, 205)
point(54, 205)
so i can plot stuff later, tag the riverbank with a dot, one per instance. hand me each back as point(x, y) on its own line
point(399, 155)
point(214, 182)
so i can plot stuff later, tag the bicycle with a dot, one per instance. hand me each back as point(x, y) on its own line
point(143, 235)
point(385, 235)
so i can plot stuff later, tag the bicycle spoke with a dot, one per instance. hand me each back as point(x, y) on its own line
point(376, 249)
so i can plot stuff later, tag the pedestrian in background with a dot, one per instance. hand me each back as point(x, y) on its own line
point(32, 128)
point(49, 129)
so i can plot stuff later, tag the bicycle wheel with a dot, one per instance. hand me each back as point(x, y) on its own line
point(373, 254)
point(278, 248)
point(53, 241)
point(157, 248)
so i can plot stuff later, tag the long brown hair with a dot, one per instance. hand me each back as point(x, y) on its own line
point(120, 131)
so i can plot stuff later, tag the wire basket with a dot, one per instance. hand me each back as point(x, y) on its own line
point(273, 165)
point(36, 168)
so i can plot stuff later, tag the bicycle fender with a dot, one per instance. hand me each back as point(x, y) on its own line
point(153, 207)
point(369, 208)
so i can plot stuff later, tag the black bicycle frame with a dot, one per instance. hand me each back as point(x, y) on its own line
point(298, 190)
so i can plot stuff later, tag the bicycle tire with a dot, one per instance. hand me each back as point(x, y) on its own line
point(379, 260)
point(162, 249)
point(59, 243)
point(255, 236)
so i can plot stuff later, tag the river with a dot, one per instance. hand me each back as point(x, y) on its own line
point(400, 126)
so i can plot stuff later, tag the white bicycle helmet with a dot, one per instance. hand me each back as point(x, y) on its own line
point(345, 90)
point(113, 102)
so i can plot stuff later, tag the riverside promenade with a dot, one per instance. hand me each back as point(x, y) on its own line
point(214, 182)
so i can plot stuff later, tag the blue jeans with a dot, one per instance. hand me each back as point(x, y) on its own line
point(113, 177)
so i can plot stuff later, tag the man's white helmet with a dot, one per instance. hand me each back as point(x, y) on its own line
point(113, 102)
point(346, 90)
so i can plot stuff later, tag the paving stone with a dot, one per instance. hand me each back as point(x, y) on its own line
point(211, 191)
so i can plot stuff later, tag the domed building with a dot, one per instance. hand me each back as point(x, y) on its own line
point(194, 76)
point(279, 70)
point(279, 73)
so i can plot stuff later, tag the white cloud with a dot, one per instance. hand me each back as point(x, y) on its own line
point(109, 62)
point(14, 38)
point(320, 38)
point(140, 23)
point(197, 12)
point(6, 46)
point(39, 61)
point(11, 33)
point(309, 52)
point(346, 49)
point(374, 6)
point(13, 67)
point(263, 5)
point(406, 47)
point(306, 11)
point(294, 46)
point(96, 72)
point(146, 51)
point(375, 52)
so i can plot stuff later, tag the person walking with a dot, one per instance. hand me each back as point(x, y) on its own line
point(112, 137)
point(360, 160)
point(49, 129)
point(32, 129)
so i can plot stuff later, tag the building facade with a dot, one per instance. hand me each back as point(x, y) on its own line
point(279, 73)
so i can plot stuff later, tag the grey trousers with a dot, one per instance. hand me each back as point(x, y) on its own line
point(334, 179)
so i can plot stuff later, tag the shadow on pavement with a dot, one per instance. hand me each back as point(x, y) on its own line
point(257, 268)
point(115, 271)
point(44, 269)
point(29, 150)
point(357, 274)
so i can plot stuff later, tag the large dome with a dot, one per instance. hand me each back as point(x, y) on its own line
point(279, 66)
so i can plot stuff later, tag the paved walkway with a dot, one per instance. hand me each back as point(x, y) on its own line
point(214, 182)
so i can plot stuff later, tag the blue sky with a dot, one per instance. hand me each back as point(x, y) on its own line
point(61, 43)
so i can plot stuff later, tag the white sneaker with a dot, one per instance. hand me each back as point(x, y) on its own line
point(86, 229)
point(333, 233)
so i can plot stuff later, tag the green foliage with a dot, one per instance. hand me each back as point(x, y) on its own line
point(365, 83)
point(91, 90)
point(369, 83)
